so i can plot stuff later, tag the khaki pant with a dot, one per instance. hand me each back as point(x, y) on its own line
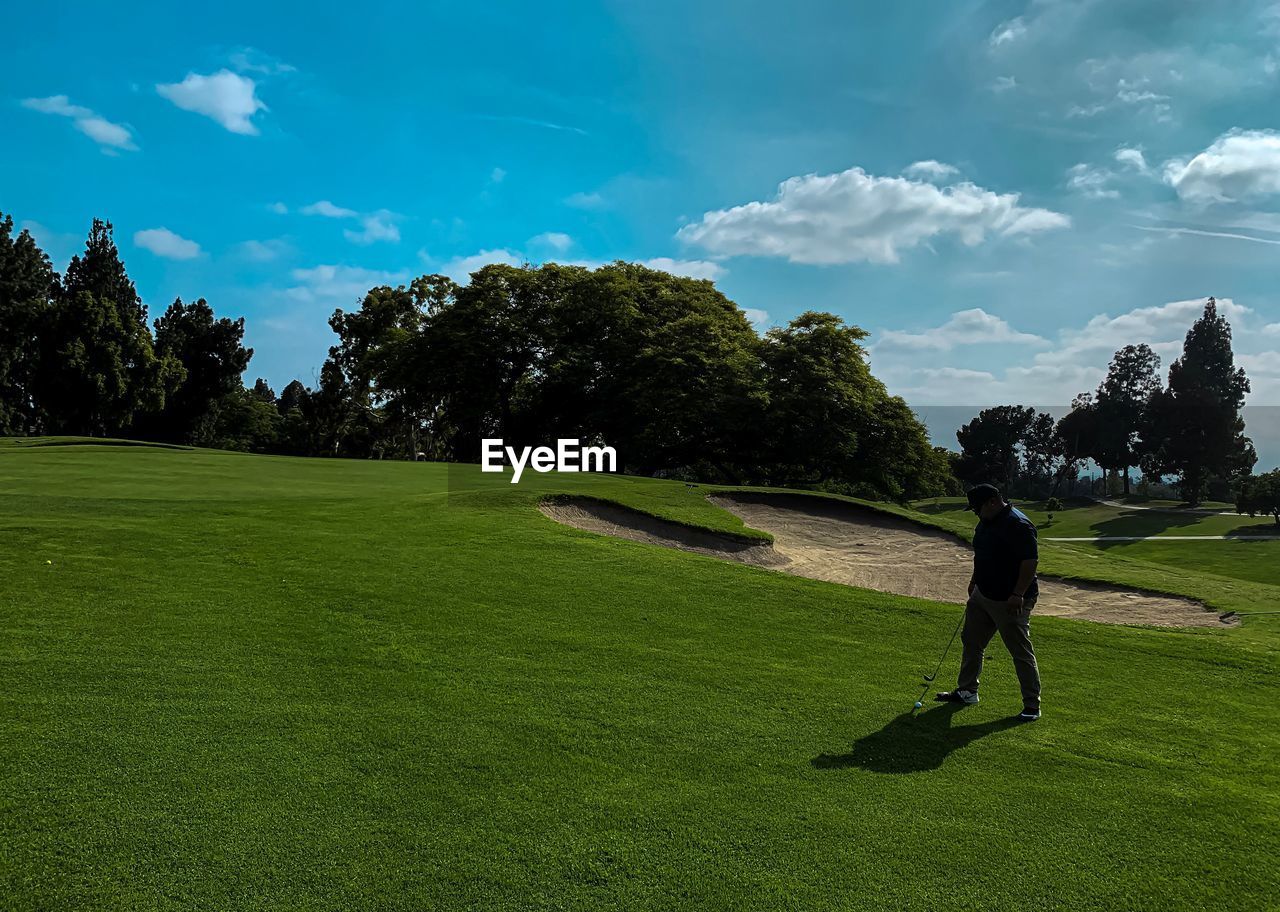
point(982, 618)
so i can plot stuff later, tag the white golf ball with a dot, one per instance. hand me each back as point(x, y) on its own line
point(918, 704)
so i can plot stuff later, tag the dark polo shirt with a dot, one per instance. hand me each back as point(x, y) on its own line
point(1000, 545)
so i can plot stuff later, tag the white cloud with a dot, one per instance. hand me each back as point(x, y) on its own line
point(693, 269)
point(1263, 364)
point(263, 251)
point(1003, 84)
point(460, 268)
point(759, 319)
point(532, 122)
point(1090, 181)
point(108, 135)
point(1008, 32)
point(333, 284)
point(1132, 158)
point(1200, 232)
point(328, 210)
point(377, 226)
point(929, 170)
point(1162, 327)
point(1074, 361)
point(556, 241)
point(585, 201)
point(224, 96)
point(967, 327)
point(1124, 95)
point(374, 226)
point(497, 175)
point(1239, 165)
point(252, 60)
point(279, 208)
point(854, 216)
point(952, 375)
point(164, 243)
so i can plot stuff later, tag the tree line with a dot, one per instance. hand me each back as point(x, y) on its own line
point(665, 369)
point(1189, 428)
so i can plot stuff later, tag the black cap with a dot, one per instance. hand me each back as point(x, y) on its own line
point(980, 494)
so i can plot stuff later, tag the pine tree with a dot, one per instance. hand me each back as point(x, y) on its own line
point(26, 284)
point(1193, 428)
point(263, 391)
point(97, 345)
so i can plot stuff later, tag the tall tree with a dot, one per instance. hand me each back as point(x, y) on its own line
point(99, 367)
point(990, 443)
point(291, 397)
point(297, 430)
point(477, 352)
point(1260, 494)
point(1121, 403)
point(1193, 428)
point(376, 354)
point(816, 374)
point(85, 384)
point(698, 393)
point(828, 419)
point(212, 354)
point(1077, 434)
point(263, 391)
point(27, 283)
point(1042, 450)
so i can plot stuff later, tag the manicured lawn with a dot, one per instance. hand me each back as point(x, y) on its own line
point(258, 682)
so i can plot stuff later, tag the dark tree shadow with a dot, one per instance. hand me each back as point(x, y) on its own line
point(912, 744)
point(1141, 522)
point(1258, 526)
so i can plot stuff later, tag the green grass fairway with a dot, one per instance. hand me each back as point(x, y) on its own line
point(268, 683)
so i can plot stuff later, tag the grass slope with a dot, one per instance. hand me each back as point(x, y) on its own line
point(252, 682)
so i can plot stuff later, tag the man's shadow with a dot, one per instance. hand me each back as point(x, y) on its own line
point(912, 744)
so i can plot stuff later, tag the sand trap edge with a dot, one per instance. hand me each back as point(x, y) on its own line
point(606, 517)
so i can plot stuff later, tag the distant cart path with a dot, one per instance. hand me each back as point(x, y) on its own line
point(1201, 511)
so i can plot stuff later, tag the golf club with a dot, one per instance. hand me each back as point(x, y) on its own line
point(929, 678)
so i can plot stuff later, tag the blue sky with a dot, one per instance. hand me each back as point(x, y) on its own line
point(1003, 193)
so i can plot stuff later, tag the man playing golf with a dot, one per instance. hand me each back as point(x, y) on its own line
point(1002, 593)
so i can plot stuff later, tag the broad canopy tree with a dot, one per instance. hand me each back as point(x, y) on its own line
point(1120, 406)
point(665, 369)
point(1260, 494)
point(212, 357)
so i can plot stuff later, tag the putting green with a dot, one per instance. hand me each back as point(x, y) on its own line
point(261, 682)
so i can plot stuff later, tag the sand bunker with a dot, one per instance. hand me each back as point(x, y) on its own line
point(842, 543)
